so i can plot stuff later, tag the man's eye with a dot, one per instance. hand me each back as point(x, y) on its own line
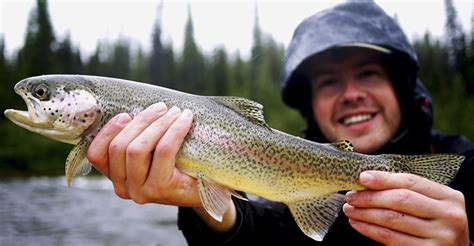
point(368, 72)
point(326, 82)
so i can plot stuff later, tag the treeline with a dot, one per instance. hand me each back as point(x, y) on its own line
point(447, 69)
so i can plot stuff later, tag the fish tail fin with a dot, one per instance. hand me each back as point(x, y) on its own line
point(314, 216)
point(440, 167)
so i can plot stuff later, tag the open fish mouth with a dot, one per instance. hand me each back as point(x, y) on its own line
point(23, 119)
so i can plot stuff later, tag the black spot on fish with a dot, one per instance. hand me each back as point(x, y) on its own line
point(83, 121)
point(69, 104)
point(85, 115)
point(56, 111)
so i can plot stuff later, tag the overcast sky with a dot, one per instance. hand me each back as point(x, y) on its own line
point(216, 23)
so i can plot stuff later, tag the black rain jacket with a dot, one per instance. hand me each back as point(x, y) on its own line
point(266, 223)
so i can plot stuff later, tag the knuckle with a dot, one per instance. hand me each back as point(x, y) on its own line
point(134, 149)
point(115, 147)
point(411, 180)
point(138, 198)
point(458, 196)
point(385, 235)
point(447, 237)
point(121, 192)
point(165, 150)
point(394, 218)
point(456, 215)
point(401, 197)
point(94, 156)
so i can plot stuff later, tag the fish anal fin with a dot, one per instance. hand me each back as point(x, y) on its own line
point(76, 162)
point(214, 197)
point(343, 145)
point(315, 216)
point(251, 110)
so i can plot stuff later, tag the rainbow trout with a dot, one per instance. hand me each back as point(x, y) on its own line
point(229, 146)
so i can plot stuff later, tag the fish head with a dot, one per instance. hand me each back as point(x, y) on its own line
point(60, 107)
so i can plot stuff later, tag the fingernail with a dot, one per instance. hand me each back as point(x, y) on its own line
point(174, 110)
point(122, 118)
point(366, 178)
point(350, 195)
point(186, 113)
point(158, 107)
point(347, 208)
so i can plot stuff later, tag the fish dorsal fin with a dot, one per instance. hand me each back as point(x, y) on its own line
point(315, 216)
point(253, 111)
point(76, 162)
point(343, 145)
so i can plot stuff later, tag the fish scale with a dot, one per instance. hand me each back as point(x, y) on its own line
point(229, 146)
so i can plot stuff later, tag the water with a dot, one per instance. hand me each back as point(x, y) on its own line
point(43, 211)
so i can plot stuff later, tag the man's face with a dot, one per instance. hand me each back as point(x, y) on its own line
point(353, 98)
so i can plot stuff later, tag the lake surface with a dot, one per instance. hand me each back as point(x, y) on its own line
point(44, 211)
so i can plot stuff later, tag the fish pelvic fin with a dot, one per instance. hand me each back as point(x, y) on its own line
point(215, 197)
point(251, 110)
point(315, 216)
point(439, 167)
point(76, 162)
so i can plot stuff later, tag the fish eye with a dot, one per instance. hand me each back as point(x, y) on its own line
point(41, 92)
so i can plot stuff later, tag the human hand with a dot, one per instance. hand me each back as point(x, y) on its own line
point(139, 155)
point(405, 209)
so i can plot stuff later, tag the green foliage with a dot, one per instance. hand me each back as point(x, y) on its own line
point(37, 56)
point(190, 70)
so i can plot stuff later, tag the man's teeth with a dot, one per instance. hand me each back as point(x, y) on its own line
point(356, 119)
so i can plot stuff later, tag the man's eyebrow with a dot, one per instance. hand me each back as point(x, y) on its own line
point(323, 71)
point(366, 62)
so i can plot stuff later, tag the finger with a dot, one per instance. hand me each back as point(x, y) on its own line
point(384, 235)
point(401, 200)
point(97, 153)
point(168, 147)
point(118, 146)
point(377, 180)
point(392, 219)
point(139, 152)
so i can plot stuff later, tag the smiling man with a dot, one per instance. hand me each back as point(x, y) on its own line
point(353, 97)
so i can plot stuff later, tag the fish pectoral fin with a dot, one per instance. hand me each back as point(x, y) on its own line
point(252, 111)
point(343, 145)
point(214, 197)
point(315, 216)
point(76, 162)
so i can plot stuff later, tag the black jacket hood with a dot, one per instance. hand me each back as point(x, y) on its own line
point(356, 23)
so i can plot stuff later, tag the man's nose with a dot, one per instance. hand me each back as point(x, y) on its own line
point(352, 92)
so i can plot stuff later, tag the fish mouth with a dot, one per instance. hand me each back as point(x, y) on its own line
point(23, 119)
